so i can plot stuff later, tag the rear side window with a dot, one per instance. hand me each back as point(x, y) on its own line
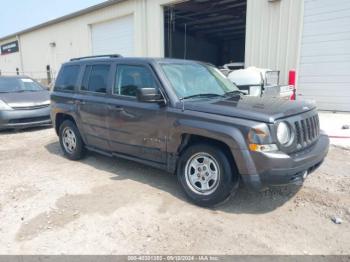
point(96, 78)
point(67, 79)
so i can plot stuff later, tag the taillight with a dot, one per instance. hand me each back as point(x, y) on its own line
point(291, 82)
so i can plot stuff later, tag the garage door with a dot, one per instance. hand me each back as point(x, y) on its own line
point(114, 37)
point(324, 73)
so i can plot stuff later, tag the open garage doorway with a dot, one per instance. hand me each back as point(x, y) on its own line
point(206, 30)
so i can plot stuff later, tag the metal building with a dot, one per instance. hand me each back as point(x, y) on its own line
point(275, 34)
point(324, 61)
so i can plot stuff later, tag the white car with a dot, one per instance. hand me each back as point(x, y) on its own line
point(258, 81)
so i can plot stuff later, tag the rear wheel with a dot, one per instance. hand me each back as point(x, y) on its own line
point(206, 175)
point(70, 140)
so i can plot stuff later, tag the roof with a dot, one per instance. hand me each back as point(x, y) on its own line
point(107, 58)
point(64, 18)
point(85, 60)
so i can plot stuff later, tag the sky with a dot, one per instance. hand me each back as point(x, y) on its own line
point(17, 15)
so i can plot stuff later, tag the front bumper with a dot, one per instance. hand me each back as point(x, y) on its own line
point(281, 169)
point(13, 119)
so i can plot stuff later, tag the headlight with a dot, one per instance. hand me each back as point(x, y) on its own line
point(259, 139)
point(4, 106)
point(284, 133)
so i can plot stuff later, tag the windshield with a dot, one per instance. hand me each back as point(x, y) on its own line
point(13, 85)
point(196, 80)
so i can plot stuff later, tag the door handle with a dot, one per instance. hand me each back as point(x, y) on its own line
point(115, 108)
point(80, 102)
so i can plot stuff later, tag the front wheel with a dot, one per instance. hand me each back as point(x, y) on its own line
point(207, 175)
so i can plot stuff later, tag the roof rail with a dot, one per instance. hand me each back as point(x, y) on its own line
point(96, 56)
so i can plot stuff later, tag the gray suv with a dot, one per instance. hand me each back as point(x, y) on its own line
point(187, 118)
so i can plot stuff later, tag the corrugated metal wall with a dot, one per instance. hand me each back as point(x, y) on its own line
point(324, 73)
point(272, 37)
point(273, 34)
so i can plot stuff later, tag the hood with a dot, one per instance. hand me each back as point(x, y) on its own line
point(264, 109)
point(26, 99)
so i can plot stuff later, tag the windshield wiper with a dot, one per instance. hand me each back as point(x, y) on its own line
point(235, 92)
point(202, 95)
point(22, 91)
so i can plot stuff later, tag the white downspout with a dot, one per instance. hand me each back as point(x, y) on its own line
point(20, 54)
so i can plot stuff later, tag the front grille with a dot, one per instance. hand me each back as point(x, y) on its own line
point(307, 131)
point(30, 107)
point(29, 120)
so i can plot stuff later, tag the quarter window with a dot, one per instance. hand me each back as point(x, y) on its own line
point(96, 78)
point(67, 79)
point(130, 78)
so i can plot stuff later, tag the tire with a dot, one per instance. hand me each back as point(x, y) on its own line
point(72, 147)
point(210, 190)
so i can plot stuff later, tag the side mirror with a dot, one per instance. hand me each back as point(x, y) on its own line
point(149, 95)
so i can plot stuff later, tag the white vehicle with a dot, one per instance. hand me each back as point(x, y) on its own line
point(258, 81)
point(228, 68)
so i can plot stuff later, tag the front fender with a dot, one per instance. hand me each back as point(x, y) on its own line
point(230, 135)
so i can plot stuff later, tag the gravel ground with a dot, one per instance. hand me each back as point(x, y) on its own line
point(333, 124)
point(49, 205)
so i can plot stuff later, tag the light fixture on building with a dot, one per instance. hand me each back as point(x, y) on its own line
point(52, 44)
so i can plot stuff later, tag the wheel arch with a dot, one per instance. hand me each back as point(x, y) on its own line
point(60, 118)
point(193, 139)
point(229, 138)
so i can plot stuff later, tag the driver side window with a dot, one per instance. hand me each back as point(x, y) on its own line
point(129, 78)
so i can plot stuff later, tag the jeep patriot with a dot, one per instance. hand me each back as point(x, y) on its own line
point(187, 118)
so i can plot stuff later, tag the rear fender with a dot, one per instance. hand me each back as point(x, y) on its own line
point(61, 104)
